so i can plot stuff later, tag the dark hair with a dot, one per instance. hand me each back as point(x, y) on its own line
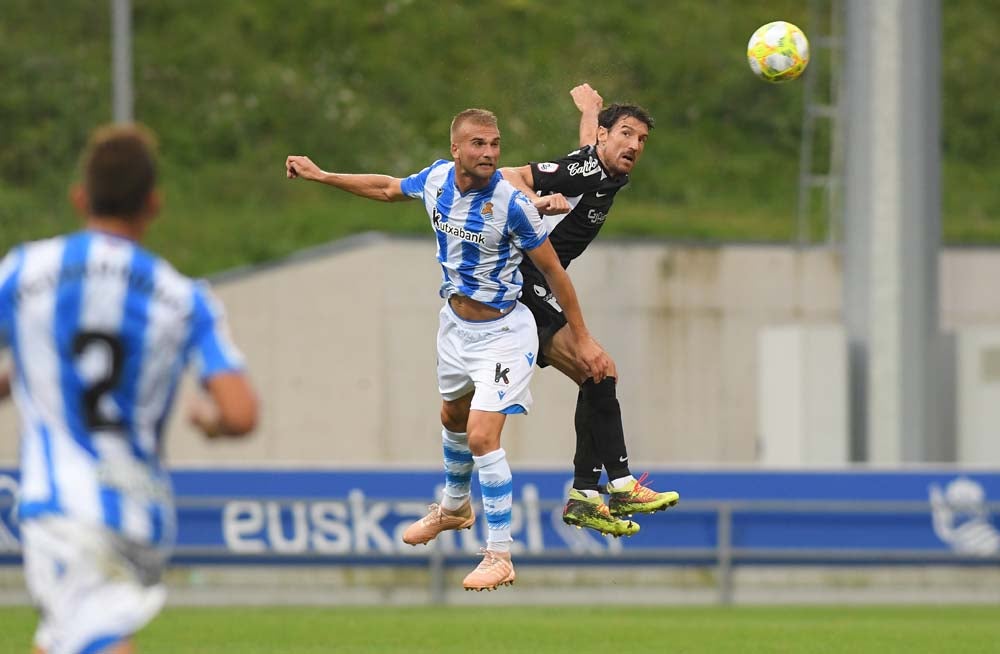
point(119, 170)
point(612, 114)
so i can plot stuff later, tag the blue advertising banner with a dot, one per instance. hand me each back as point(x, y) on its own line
point(355, 514)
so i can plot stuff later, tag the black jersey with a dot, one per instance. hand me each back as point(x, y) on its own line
point(590, 190)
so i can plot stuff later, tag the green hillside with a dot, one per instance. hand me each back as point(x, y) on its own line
point(233, 86)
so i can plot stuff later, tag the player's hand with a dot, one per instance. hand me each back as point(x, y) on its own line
point(593, 359)
point(301, 166)
point(206, 416)
point(586, 98)
point(551, 205)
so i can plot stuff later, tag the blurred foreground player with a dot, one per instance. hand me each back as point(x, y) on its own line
point(100, 330)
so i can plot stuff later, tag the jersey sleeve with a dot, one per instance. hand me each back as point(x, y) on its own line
point(8, 280)
point(526, 227)
point(575, 174)
point(213, 347)
point(413, 186)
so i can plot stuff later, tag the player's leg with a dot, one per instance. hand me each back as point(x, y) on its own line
point(458, 463)
point(95, 589)
point(494, 476)
point(627, 494)
point(598, 404)
point(121, 647)
point(587, 466)
point(600, 439)
point(501, 364)
point(584, 506)
point(496, 484)
point(455, 510)
point(601, 436)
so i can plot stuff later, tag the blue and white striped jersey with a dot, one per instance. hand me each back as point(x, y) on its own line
point(100, 331)
point(482, 234)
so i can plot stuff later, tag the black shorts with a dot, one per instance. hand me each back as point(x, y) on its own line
point(549, 318)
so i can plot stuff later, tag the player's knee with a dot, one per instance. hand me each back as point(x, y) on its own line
point(567, 365)
point(455, 415)
point(481, 444)
point(452, 422)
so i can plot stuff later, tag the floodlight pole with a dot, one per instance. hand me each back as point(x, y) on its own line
point(121, 53)
point(892, 218)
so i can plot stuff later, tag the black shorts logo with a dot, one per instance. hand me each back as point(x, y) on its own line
point(547, 296)
point(501, 374)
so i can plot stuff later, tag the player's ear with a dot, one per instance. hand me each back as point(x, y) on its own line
point(602, 135)
point(78, 198)
point(454, 150)
point(154, 201)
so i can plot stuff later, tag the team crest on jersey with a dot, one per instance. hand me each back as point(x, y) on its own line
point(487, 209)
point(548, 167)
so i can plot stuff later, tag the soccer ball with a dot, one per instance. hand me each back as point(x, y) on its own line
point(778, 52)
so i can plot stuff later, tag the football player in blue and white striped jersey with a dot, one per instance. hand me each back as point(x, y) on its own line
point(487, 341)
point(100, 330)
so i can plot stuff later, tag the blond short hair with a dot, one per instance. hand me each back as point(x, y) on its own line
point(480, 117)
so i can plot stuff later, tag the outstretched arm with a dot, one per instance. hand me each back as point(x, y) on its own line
point(375, 187)
point(589, 102)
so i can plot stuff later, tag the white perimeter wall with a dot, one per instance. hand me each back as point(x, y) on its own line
point(341, 344)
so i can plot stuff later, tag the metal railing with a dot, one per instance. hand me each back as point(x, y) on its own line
point(724, 555)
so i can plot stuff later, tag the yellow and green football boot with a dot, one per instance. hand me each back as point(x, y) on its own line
point(636, 498)
point(592, 513)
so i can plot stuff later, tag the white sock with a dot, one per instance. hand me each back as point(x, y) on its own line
point(499, 546)
point(588, 492)
point(457, 469)
point(497, 488)
point(622, 482)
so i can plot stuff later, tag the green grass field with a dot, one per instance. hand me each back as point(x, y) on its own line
point(548, 630)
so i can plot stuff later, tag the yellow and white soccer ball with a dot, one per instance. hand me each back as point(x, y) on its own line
point(778, 52)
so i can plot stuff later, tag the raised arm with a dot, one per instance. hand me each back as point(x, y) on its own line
point(591, 356)
point(375, 187)
point(589, 102)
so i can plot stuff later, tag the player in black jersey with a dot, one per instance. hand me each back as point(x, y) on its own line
point(611, 141)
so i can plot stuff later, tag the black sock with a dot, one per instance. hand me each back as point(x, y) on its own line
point(585, 460)
point(606, 429)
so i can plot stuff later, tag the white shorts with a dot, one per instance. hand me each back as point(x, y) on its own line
point(93, 587)
point(494, 358)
